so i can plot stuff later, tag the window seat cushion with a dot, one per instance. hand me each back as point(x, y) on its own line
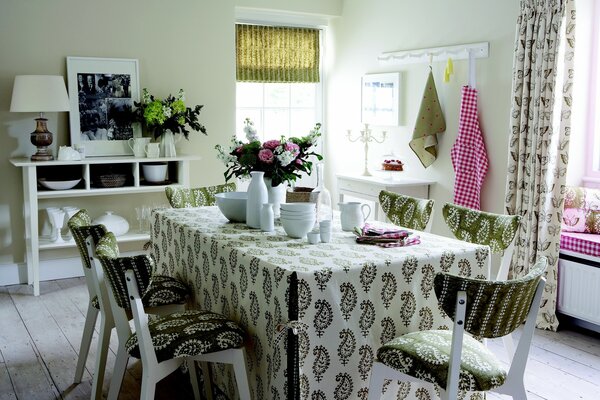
point(584, 243)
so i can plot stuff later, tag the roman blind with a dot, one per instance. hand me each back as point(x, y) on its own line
point(276, 54)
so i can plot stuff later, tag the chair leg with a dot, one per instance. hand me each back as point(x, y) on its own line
point(148, 387)
point(118, 372)
point(241, 377)
point(193, 378)
point(102, 353)
point(86, 340)
point(376, 381)
point(207, 380)
point(509, 346)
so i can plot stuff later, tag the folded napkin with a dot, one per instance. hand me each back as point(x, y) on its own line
point(430, 121)
point(382, 237)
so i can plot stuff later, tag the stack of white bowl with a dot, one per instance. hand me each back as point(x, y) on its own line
point(298, 219)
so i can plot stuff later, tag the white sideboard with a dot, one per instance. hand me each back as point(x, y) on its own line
point(178, 174)
point(368, 188)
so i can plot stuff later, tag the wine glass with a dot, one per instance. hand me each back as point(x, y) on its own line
point(139, 215)
point(146, 213)
point(57, 219)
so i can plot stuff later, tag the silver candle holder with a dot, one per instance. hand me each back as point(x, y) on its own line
point(366, 136)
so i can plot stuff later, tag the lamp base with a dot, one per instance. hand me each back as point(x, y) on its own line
point(41, 138)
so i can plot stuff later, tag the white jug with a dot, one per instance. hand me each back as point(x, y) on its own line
point(152, 150)
point(353, 214)
point(138, 145)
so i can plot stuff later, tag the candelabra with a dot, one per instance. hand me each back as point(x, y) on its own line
point(366, 137)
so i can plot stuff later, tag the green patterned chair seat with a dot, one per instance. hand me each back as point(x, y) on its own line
point(406, 211)
point(426, 355)
point(196, 197)
point(474, 226)
point(189, 333)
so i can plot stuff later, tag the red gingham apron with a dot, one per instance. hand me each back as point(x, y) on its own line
point(468, 154)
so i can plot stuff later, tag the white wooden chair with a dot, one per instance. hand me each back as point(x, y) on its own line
point(406, 211)
point(454, 361)
point(81, 227)
point(498, 231)
point(165, 342)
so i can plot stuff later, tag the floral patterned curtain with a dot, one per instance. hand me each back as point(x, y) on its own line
point(276, 54)
point(538, 152)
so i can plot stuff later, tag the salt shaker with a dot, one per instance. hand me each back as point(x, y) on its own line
point(267, 218)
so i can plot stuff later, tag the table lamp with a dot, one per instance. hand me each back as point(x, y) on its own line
point(40, 93)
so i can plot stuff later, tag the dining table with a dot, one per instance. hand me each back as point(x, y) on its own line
point(315, 314)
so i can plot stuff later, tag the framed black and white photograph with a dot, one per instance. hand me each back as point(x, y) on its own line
point(101, 93)
point(380, 99)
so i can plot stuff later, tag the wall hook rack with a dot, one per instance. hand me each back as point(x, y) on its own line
point(456, 52)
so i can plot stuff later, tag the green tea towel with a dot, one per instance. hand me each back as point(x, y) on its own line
point(430, 121)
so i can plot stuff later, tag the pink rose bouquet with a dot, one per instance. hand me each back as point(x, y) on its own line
point(281, 160)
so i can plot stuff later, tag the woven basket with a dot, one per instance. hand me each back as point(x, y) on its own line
point(301, 195)
point(111, 180)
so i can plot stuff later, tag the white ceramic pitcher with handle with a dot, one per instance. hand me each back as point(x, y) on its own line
point(138, 145)
point(353, 214)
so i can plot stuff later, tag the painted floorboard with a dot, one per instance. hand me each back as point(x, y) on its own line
point(562, 366)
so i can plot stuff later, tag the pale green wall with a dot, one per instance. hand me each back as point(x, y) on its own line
point(368, 28)
point(180, 44)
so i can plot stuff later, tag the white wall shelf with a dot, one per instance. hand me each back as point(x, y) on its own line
point(178, 174)
point(456, 52)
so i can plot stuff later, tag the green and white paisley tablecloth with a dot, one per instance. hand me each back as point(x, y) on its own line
point(351, 297)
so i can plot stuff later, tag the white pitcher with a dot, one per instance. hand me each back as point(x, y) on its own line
point(152, 150)
point(138, 145)
point(353, 214)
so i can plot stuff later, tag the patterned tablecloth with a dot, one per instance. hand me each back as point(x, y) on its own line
point(351, 297)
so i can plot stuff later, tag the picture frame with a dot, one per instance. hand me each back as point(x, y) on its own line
point(101, 93)
point(380, 99)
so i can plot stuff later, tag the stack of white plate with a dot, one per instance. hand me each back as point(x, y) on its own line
point(298, 219)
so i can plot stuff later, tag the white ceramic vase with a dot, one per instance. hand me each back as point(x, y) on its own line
point(257, 196)
point(276, 195)
point(267, 223)
point(113, 222)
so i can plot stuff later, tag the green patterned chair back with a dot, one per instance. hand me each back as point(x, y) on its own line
point(406, 211)
point(81, 227)
point(114, 268)
point(494, 309)
point(479, 227)
point(196, 197)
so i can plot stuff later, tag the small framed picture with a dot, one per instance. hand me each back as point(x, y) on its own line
point(380, 99)
point(101, 93)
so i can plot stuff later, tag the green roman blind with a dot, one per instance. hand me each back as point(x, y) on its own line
point(277, 54)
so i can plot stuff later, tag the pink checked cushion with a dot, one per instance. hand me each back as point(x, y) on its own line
point(582, 210)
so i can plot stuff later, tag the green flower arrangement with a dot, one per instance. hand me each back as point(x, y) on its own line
point(171, 113)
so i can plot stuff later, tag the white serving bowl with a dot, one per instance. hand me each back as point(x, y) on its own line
point(155, 172)
point(297, 228)
point(113, 222)
point(298, 207)
point(59, 185)
point(297, 214)
point(312, 216)
point(232, 205)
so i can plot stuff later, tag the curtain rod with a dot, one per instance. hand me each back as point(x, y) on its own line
point(456, 52)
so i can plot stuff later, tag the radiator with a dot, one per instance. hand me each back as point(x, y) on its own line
point(579, 287)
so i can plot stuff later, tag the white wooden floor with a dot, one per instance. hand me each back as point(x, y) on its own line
point(39, 342)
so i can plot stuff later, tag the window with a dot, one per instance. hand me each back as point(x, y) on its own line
point(278, 80)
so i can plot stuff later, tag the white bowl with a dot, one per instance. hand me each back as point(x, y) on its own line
point(312, 216)
point(155, 172)
point(297, 214)
point(297, 228)
point(298, 207)
point(232, 205)
point(113, 222)
point(58, 185)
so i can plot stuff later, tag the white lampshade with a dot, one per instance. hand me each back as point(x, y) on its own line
point(39, 93)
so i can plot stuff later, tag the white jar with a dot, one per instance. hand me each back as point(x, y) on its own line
point(113, 223)
point(267, 218)
point(257, 196)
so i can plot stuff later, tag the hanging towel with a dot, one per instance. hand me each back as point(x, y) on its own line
point(430, 121)
point(469, 157)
